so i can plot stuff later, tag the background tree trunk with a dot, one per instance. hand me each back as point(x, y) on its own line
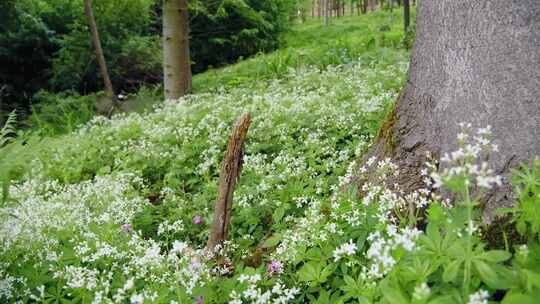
point(176, 58)
point(96, 42)
point(372, 4)
point(185, 57)
point(406, 15)
point(476, 62)
point(326, 12)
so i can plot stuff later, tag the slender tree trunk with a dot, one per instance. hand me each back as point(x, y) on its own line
point(229, 175)
point(475, 62)
point(406, 15)
point(176, 58)
point(185, 52)
point(372, 5)
point(96, 42)
point(326, 12)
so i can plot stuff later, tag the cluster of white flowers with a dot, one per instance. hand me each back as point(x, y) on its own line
point(45, 206)
point(306, 232)
point(382, 246)
point(421, 292)
point(462, 163)
point(9, 285)
point(479, 297)
point(348, 248)
point(523, 251)
point(278, 294)
point(170, 228)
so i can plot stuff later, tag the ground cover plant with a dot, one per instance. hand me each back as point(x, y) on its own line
point(119, 210)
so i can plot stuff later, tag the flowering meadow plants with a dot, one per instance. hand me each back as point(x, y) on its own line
point(119, 211)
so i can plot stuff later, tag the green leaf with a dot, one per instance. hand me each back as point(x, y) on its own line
point(457, 250)
point(443, 300)
point(521, 227)
point(496, 256)
point(489, 275)
point(451, 271)
point(393, 295)
point(278, 214)
point(272, 241)
point(518, 298)
point(533, 277)
point(349, 280)
point(315, 254)
point(435, 213)
point(308, 273)
point(325, 273)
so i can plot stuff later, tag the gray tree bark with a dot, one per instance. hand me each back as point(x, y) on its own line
point(176, 57)
point(476, 62)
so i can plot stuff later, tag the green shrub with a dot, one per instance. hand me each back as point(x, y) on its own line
point(61, 113)
point(526, 213)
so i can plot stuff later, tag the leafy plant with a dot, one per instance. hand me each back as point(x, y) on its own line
point(8, 129)
point(527, 210)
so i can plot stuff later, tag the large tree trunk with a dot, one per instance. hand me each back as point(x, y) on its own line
point(176, 58)
point(476, 62)
point(96, 42)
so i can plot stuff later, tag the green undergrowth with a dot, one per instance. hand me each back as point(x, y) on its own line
point(139, 187)
point(373, 39)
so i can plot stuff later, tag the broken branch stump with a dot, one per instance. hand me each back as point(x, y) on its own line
point(230, 172)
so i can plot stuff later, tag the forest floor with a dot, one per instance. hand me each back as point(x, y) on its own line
point(119, 211)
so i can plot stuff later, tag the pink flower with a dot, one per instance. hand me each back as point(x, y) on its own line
point(274, 267)
point(127, 228)
point(197, 220)
point(199, 300)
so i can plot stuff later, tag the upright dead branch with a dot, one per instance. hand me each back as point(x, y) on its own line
point(230, 172)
